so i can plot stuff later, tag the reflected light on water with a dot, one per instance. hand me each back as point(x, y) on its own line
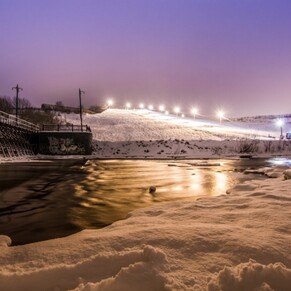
point(196, 183)
point(177, 188)
point(221, 182)
point(280, 162)
point(66, 196)
point(109, 190)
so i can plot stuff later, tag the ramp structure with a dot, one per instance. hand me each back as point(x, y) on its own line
point(18, 137)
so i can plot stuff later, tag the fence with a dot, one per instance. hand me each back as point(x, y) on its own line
point(62, 127)
point(17, 122)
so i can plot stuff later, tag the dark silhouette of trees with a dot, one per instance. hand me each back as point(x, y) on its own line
point(6, 104)
point(26, 112)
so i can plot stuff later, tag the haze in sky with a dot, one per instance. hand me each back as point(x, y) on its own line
point(234, 54)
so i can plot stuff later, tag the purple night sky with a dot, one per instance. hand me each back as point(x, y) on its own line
point(234, 54)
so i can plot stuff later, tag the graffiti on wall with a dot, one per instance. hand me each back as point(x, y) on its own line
point(63, 146)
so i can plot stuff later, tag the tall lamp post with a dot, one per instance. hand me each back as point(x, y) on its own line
point(80, 100)
point(17, 88)
point(280, 123)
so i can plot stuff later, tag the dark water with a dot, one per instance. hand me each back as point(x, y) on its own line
point(43, 200)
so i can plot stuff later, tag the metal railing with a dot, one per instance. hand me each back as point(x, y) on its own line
point(6, 118)
point(65, 127)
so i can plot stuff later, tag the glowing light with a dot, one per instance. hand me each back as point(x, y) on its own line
point(194, 111)
point(110, 102)
point(220, 115)
point(141, 106)
point(279, 122)
point(167, 112)
point(162, 108)
point(151, 107)
point(182, 115)
point(128, 105)
point(177, 109)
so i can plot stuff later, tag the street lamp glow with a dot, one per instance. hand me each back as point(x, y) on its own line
point(194, 111)
point(280, 123)
point(220, 115)
point(162, 108)
point(128, 105)
point(177, 109)
point(141, 106)
point(110, 102)
point(151, 107)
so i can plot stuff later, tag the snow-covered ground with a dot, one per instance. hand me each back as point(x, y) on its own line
point(120, 133)
point(237, 241)
point(131, 125)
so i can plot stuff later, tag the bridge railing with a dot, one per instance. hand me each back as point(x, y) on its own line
point(65, 127)
point(18, 122)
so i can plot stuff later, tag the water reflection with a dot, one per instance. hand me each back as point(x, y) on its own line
point(110, 189)
point(46, 200)
point(280, 161)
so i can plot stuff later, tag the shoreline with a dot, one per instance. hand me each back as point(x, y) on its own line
point(49, 158)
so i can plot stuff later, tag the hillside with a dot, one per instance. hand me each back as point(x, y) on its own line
point(119, 133)
point(129, 125)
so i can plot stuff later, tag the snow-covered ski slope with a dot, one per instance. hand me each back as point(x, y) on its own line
point(129, 125)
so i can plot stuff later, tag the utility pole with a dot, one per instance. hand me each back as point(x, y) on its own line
point(17, 88)
point(80, 100)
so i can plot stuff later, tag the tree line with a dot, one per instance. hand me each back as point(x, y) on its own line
point(26, 112)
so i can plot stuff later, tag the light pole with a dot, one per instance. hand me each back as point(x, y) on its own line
point(80, 100)
point(17, 88)
point(280, 123)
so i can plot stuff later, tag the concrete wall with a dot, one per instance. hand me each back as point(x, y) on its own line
point(65, 143)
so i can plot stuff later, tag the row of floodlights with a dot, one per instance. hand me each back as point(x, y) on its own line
point(194, 111)
point(176, 110)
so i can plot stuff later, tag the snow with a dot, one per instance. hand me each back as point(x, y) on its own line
point(239, 241)
point(236, 241)
point(144, 134)
point(144, 125)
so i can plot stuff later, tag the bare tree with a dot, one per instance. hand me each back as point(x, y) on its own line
point(6, 104)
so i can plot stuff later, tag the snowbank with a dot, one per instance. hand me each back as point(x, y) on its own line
point(252, 276)
point(239, 241)
point(188, 149)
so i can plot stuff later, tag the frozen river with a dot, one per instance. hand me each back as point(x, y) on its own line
point(48, 199)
